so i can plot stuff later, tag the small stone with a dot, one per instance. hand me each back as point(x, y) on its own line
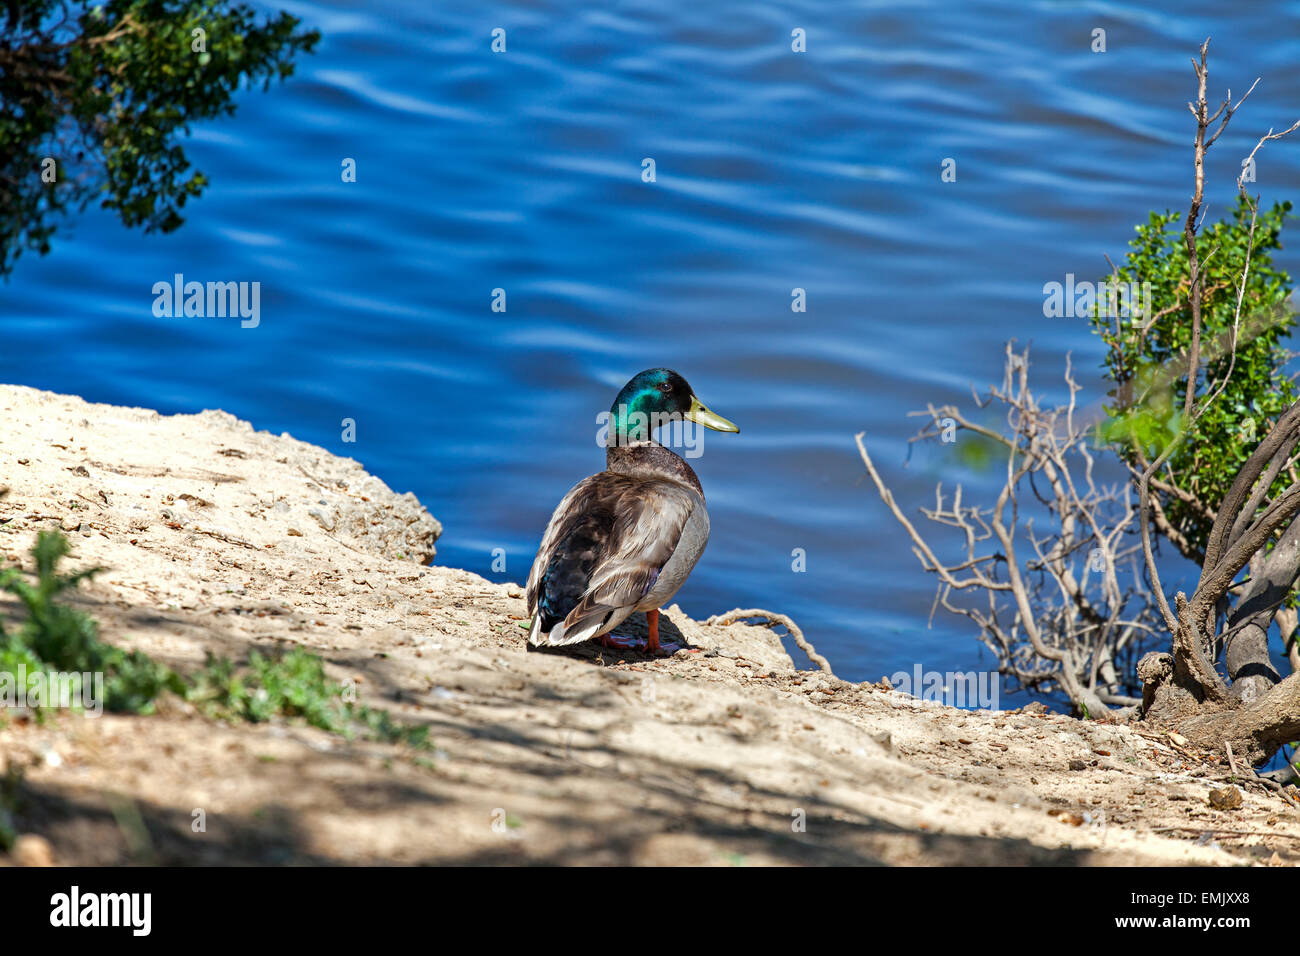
point(295, 533)
point(1078, 765)
point(1229, 798)
point(32, 850)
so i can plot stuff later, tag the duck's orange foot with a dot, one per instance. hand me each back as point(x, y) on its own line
point(652, 645)
point(617, 643)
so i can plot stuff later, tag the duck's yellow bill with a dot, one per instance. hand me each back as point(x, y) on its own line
point(698, 413)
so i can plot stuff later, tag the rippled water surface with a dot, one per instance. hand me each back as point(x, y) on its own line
point(775, 171)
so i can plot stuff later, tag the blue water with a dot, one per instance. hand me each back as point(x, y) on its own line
point(775, 170)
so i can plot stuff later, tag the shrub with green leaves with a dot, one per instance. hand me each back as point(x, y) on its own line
point(55, 637)
point(1149, 366)
point(95, 97)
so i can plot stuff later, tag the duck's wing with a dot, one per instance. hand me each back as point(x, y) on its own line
point(576, 535)
point(602, 553)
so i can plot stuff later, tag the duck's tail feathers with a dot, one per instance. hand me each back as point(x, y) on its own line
point(535, 635)
point(597, 621)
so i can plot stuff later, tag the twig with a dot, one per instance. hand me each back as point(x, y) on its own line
point(774, 620)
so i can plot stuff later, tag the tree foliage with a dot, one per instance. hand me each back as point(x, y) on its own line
point(1147, 363)
point(94, 100)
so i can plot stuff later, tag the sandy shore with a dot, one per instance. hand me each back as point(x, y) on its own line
point(220, 538)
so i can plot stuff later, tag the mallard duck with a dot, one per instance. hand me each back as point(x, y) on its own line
point(626, 539)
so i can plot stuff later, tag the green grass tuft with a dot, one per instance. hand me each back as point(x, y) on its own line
point(294, 684)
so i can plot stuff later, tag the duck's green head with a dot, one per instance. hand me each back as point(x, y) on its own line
point(656, 397)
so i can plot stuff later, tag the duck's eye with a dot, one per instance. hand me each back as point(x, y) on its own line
point(666, 387)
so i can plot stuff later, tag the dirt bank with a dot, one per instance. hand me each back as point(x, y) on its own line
point(220, 538)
